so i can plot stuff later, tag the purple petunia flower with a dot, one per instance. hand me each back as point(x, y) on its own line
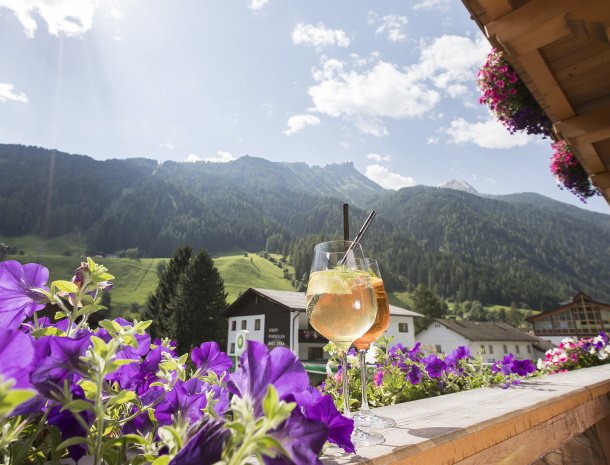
point(378, 378)
point(414, 353)
point(503, 365)
point(259, 368)
point(522, 367)
point(340, 428)
point(303, 439)
point(186, 399)
point(139, 376)
point(204, 444)
point(209, 357)
point(69, 426)
point(18, 296)
point(396, 350)
point(16, 356)
point(434, 366)
point(60, 360)
point(414, 374)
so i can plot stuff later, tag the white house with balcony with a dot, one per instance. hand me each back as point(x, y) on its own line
point(495, 340)
point(278, 318)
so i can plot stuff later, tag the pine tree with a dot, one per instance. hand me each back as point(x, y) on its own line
point(200, 298)
point(427, 302)
point(158, 308)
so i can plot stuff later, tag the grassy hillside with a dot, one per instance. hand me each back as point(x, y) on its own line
point(136, 279)
point(66, 244)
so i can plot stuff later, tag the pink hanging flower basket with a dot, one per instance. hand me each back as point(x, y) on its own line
point(569, 172)
point(509, 99)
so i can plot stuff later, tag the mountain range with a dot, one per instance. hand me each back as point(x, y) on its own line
point(523, 248)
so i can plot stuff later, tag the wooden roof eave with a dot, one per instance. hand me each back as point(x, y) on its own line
point(522, 28)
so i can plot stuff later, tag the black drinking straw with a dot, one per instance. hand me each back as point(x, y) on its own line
point(345, 222)
point(359, 236)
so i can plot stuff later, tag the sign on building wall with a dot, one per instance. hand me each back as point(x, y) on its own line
point(276, 338)
point(241, 341)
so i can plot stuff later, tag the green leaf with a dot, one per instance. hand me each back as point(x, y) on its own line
point(87, 309)
point(72, 442)
point(163, 460)
point(99, 346)
point(78, 405)
point(106, 277)
point(65, 286)
point(270, 402)
point(118, 363)
point(92, 264)
point(60, 315)
point(49, 331)
point(122, 397)
point(90, 388)
point(13, 398)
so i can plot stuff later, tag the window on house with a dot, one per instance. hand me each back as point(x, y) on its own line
point(491, 349)
point(403, 327)
point(482, 349)
point(438, 348)
point(234, 325)
point(505, 347)
point(315, 353)
point(529, 349)
point(517, 348)
point(436, 325)
point(244, 324)
point(232, 351)
point(257, 325)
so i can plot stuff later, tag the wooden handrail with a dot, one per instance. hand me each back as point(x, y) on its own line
point(492, 425)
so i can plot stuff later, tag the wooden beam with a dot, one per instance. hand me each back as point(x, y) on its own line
point(496, 8)
point(601, 180)
point(546, 85)
point(531, 16)
point(595, 121)
point(588, 156)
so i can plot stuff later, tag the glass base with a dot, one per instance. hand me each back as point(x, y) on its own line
point(367, 419)
point(362, 438)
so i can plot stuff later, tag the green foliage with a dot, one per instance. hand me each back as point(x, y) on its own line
point(523, 248)
point(159, 308)
point(197, 304)
point(425, 301)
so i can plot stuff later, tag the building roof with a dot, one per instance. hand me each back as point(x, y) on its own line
point(296, 301)
point(566, 306)
point(487, 331)
point(560, 51)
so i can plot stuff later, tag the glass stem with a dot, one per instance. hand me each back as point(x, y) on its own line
point(345, 381)
point(365, 401)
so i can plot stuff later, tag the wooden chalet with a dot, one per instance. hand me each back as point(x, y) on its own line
point(278, 318)
point(582, 317)
point(561, 50)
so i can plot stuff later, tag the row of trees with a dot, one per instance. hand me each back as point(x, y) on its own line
point(188, 301)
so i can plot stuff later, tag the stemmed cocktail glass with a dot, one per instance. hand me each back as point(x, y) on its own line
point(341, 306)
point(365, 418)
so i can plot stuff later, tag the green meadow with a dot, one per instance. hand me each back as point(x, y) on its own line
point(136, 279)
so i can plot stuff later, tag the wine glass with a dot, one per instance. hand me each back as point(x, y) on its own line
point(341, 306)
point(365, 418)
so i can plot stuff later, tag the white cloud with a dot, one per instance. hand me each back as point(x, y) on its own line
point(365, 97)
point(220, 157)
point(257, 4)
point(268, 108)
point(7, 92)
point(319, 36)
point(432, 140)
point(63, 17)
point(450, 62)
point(387, 179)
point(166, 145)
point(392, 26)
point(487, 134)
point(442, 5)
point(378, 157)
point(298, 122)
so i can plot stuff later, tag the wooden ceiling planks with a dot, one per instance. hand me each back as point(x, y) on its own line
point(561, 51)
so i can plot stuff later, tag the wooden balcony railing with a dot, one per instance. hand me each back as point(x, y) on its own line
point(560, 419)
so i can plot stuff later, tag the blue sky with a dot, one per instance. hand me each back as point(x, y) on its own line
point(388, 85)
